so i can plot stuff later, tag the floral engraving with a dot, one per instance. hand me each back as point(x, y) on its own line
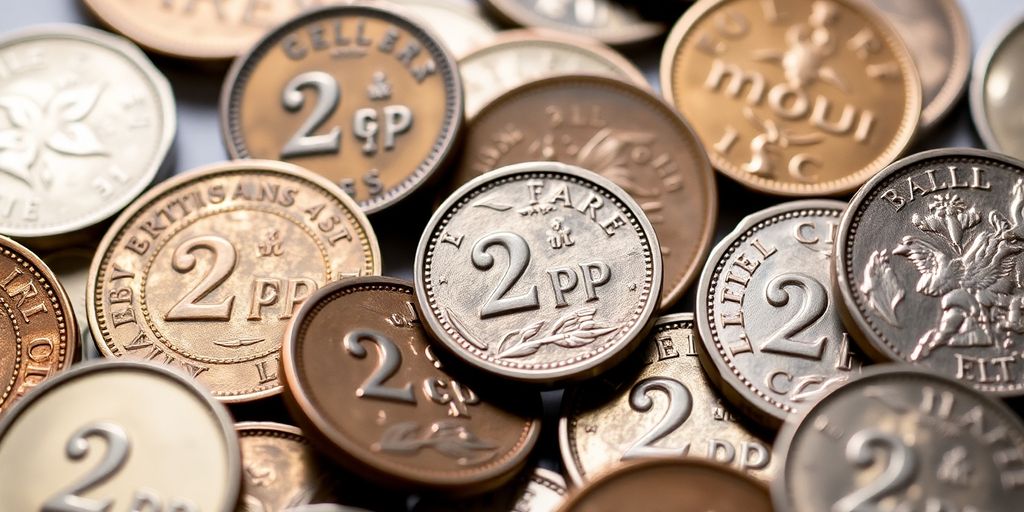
point(573, 330)
point(449, 438)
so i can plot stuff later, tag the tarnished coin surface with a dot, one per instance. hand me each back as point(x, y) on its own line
point(690, 485)
point(542, 490)
point(607, 21)
point(937, 36)
point(279, 469)
point(367, 387)
point(928, 260)
point(539, 272)
point(621, 132)
point(516, 57)
point(71, 266)
point(802, 98)
point(205, 271)
point(995, 104)
point(902, 439)
point(119, 436)
point(770, 328)
point(357, 93)
point(38, 331)
point(86, 121)
point(666, 409)
point(460, 24)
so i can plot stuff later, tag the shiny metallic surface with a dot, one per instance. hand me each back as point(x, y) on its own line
point(610, 22)
point(541, 490)
point(71, 266)
point(995, 104)
point(460, 24)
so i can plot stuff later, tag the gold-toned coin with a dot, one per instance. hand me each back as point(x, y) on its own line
point(205, 271)
point(280, 470)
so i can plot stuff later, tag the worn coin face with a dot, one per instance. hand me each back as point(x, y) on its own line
point(929, 265)
point(770, 330)
point(517, 57)
point(38, 331)
point(672, 484)
point(667, 409)
point(71, 266)
point(366, 385)
point(776, 91)
point(539, 272)
point(621, 132)
point(995, 105)
point(205, 271)
point(279, 469)
point(604, 20)
point(85, 124)
point(542, 490)
point(460, 24)
point(110, 436)
point(900, 439)
point(357, 93)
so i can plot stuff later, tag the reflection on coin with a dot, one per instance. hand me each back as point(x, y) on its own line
point(459, 23)
point(38, 332)
point(777, 93)
point(996, 104)
point(85, 124)
point(668, 409)
point(539, 272)
point(539, 491)
point(929, 264)
point(937, 36)
point(367, 387)
point(771, 334)
point(621, 132)
point(901, 439)
point(205, 271)
point(357, 93)
point(607, 21)
point(279, 469)
point(518, 57)
point(672, 484)
point(119, 436)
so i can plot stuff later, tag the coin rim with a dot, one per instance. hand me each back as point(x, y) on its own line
point(955, 84)
point(979, 77)
point(521, 16)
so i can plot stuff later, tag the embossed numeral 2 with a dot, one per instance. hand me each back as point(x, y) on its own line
point(680, 404)
point(328, 94)
point(518, 259)
point(183, 261)
point(897, 474)
point(390, 362)
point(815, 302)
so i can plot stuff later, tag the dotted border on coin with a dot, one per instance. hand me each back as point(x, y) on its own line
point(17, 354)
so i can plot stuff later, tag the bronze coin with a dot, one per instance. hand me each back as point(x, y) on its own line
point(360, 73)
point(621, 132)
point(279, 469)
point(608, 21)
point(367, 387)
point(795, 98)
point(205, 271)
point(38, 331)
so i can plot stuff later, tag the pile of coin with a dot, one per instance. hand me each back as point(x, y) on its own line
point(224, 339)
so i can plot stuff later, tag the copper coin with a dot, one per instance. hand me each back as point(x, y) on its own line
point(621, 132)
point(280, 470)
point(801, 98)
point(541, 490)
point(205, 271)
point(119, 436)
point(679, 485)
point(71, 266)
point(360, 73)
point(607, 21)
point(367, 387)
point(516, 57)
point(38, 332)
point(666, 409)
point(460, 24)
point(995, 104)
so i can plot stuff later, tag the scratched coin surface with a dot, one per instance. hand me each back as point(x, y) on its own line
point(460, 24)
point(71, 266)
point(659, 404)
point(357, 93)
point(516, 57)
point(929, 265)
point(280, 470)
point(119, 436)
point(541, 490)
point(686, 485)
point(778, 90)
point(539, 272)
point(205, 271)
point(770, 328)
point(367, 387)
point(996, 106)
point(902, 439)
point(86, 121)
point(607, 21)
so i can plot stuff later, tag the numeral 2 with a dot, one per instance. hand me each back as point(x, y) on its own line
point(390, 362)
point(680, 403)
point(897, 474)
point(812, 308)
point(518, 259)
point(118, 447)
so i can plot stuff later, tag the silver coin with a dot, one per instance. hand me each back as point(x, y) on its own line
point(928, 262)
point(771, 335)
point(460, 24)
point(539, 272)
point(996, 104)
point(899, 439)
point(86, 122)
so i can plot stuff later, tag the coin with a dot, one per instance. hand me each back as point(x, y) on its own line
point(604, 20)
point(111, 436)
point(356, 72)
point(559, 278)
point(367, 387)
point(672, 484)
point(900, 439)
point(205, 271)
point(777, 92)
point(85, 124)
point(995, 106)
point(667, 409)
point(71, 266)
point(621, 132)
point(517, 57)
point(38, 332)
point(541, 490)
point(460, 24)
point(937, 36)
point(771, 335)
point(279, 469)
